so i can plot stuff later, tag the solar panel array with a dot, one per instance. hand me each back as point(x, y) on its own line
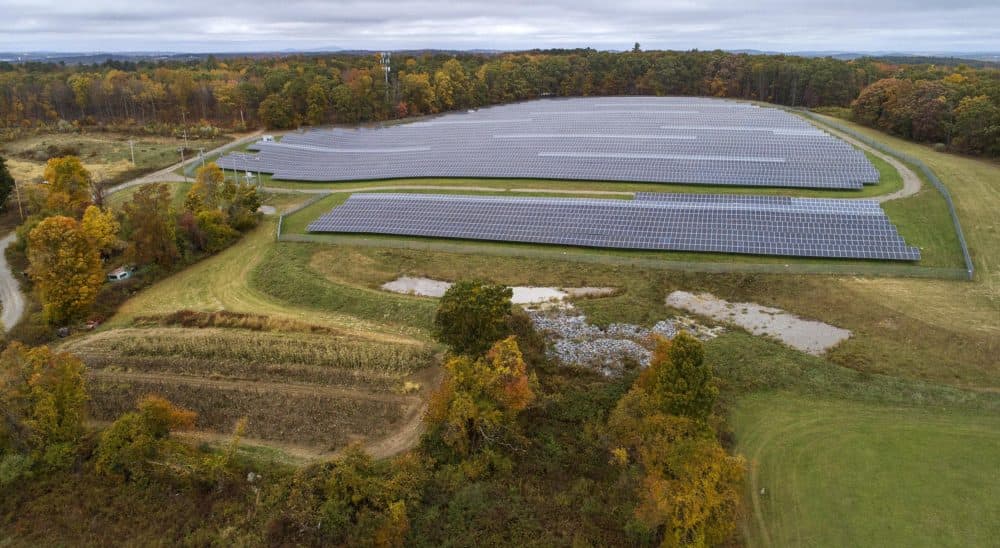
point(641, 139)
point(759, 225)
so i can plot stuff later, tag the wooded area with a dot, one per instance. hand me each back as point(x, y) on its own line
point(958, 106)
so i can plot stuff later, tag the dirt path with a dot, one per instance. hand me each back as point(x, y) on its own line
point(911, 182)
point(10, 289)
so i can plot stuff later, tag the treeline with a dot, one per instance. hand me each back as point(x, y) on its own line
point(960, 109)
point(287, 92)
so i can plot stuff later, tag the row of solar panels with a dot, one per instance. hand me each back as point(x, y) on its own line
point(710, 223)
point(617, 139)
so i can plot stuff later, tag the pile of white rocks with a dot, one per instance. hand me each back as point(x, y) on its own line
point(606, 349)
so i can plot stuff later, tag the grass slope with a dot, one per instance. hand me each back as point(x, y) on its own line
point(840, 473)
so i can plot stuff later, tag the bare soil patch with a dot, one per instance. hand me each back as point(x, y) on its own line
point(808, 336)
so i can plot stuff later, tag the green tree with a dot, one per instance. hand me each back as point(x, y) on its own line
point(472, 315)
point(218, 233)
point(355, 500)
point(66, 268)
point(149, 222)
point(135, 438)
point(276, 112)
point(42, 402)
point(679, 379)
point(6, 182)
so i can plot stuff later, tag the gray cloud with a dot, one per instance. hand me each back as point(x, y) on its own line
point(786, 25)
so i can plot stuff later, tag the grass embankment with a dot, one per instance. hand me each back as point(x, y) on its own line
point(835, 473)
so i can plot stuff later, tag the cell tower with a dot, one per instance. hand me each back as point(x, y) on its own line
point(385, 60)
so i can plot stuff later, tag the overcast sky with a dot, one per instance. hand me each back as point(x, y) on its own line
point(781, 25)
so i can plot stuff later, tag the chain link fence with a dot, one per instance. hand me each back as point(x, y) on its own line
point(922, 167)
point(795, 266)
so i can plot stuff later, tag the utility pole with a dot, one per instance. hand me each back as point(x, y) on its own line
point(17, 188)
point(184, 122)
point(131, 147)
point(201, 152)
point(183, 167)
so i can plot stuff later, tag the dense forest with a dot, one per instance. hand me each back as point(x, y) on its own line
point(957, 106)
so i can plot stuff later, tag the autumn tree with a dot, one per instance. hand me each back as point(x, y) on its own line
point(977, 125)
point(276, 112)
point(204, 193)
point(101, 228)
point(241, 203)
point(679, 379)
point(42, 402)
point(70, 185)
point(352, 501)
point(688, 487)
point(149, 223)
point(6, 182)
point(474, 412)
point(135, 438)
point(66, 268)
point(472, 315)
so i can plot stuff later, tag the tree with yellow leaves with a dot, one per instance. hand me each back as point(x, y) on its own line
point(688, 486)
point(70, 186)
point(475, 410)
point(101, 228)
point(204, 193)
point(65, 267)
point(42, 401)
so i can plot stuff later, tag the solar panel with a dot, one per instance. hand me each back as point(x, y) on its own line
point(760, 225)
point(643, 139)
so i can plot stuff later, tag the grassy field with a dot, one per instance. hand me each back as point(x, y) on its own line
point(840, 473)
point(105, 155)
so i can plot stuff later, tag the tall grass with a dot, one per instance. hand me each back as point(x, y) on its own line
point(214, 345)
point(311, 419)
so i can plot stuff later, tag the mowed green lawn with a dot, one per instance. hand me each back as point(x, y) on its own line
point(842, 473)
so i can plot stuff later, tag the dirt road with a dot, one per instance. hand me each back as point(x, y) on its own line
point(10, 290)
point(167, 175)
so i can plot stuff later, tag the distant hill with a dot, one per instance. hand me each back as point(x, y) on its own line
point(972, 59)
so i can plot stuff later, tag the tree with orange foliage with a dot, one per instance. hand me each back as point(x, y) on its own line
point(149, 221)
point(66, 268)
point(127, 446)
point(474, 412)
point(688, 486)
